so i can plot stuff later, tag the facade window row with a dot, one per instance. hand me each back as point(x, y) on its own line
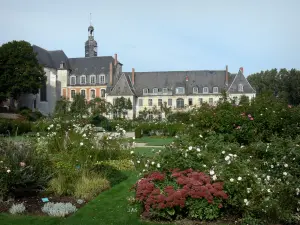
point(181, 90)
point(92, 93)
point(83, 79)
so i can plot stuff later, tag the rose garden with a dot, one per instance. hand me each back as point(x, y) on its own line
point(226, 164)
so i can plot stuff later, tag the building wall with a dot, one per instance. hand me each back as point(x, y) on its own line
point(131, 113)
point(66, 92)
point(45, 107)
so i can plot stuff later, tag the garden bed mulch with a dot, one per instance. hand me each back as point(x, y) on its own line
point(34, 204)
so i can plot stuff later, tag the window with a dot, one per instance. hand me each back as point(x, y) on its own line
point(83, 79)
point(140, 102)
point(93, 93)
point(43, 92)
point(211, 101)
point(180, 103)
point(82, 92)
point(102, 93)
point(241, 88)
point(155, 90)
point(73, 92)
point(102, 79)
point(93, 79)
point(190, 101)
point(159, 102)
point(145, 91)
point(72, 80)
point(150, 116)
point(195, 90)
point(215, 90)
point(149, 102)
point(200, 101)
point(169, 102)
point(205, 90)
point(180, 90)
point(165, 90)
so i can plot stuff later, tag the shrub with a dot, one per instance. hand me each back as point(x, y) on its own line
point(17, 209)
point(14, 127)
point(23, 171)
point(58, 209)
point(179, 194)
point(123, 165)
point(113, 175)
point(88, 187)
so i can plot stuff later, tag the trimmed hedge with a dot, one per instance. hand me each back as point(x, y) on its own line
point(158, 129)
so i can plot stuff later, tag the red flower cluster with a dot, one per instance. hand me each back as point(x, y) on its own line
point(191, 183)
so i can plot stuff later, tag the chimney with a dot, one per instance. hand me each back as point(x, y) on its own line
point(116, 59)
point(242, 70)
point(132, 76)
point(226, 76)
point(110, 73)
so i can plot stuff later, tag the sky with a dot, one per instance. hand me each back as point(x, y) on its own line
point(163, 35)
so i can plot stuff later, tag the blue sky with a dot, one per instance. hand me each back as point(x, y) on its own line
point(159, 35)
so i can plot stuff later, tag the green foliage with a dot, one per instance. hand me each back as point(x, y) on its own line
point(62, 107)
point(79, 105)
point(200, 209)
point(121, 106)
point(14, 127)
point(99, 106)
point(89, 186)
point(159, 129)
point(29, 114)
point(113, 175)
point(122, 165)
point(20, 71)
point(23, 171)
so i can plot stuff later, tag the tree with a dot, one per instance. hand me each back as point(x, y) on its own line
point(62, 107)
point(20, 72)
point(121, 106)
point(99, 106)
point(79, 105)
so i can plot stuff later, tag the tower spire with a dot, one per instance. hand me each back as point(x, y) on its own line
point(90, 19)
point(90, 44)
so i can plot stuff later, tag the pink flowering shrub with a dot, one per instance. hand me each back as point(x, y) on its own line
point(179, 194)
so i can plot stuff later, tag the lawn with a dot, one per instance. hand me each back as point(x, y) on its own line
point(147, 151)
point(155, 141)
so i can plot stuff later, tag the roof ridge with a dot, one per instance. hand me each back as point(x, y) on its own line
point(177, 71)
point(90, 57)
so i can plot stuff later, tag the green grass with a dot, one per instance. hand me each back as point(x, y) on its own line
point(147, 151)
point(155, 141)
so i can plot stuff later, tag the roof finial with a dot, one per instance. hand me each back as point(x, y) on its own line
point(91, 19)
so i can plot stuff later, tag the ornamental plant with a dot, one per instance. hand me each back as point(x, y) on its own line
point(177, 194)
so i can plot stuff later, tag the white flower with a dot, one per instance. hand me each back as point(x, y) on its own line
point(146, 165)
point(268, 190)
point(84, 135)
point(204, 165)
point(234, 155)
point(158, 165)
point(246, 201)
point(198, 149)
point(8, 171)
point(231, 179)
point(190, 148)
point(286, 165)
point(248, 190)
point(211, 172)
point(284, 173)
point(239, 179)
point(297, 191)
point(242, 146)
point(227, 158)
point(133, 138)
point(268, 177)
point(214, 177)
point(131, 152)
point(272, 166)
point(138, 161)
point(153, 163)
point(200, 136)
point(81, 143)
point(185, 155)
point(223, 152)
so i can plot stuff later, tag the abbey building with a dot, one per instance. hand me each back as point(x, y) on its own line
point(102, 76)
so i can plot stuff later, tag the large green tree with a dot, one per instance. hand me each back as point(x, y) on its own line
point(20, 72)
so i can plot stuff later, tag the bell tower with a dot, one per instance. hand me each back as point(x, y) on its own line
point(90, 44)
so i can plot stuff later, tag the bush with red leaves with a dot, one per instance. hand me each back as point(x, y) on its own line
point(173, 194)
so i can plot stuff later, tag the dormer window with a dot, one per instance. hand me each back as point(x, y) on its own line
point(93, 79)
point(180, 90)
point(62, 65)
point(102, 79)
point(165, 90)
point(195, 90)
point(240, 88)
point(215, 90)
point(155, 90)
point(83, 79)
point(205, 90)
point(145, 91)
point(73, 80)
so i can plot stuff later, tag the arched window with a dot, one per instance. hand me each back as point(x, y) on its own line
point(155, 90)
point(215, 90)
point(73, 80)
point(102, 93)
point(180, 103)
point(82, 79)
point(92, 94)
point(145, 91)
point(241, 88)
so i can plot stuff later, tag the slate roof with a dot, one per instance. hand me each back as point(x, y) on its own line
point(123, 86)
point(90, 65)
point(50, 59)
point(174, 79)
point(239, 78)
